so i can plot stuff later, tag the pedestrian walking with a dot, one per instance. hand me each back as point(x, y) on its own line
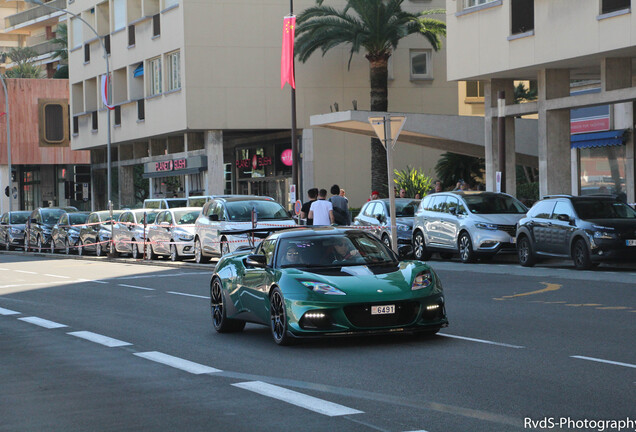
point(321, 210)
point(304, 210)
point(340, 206)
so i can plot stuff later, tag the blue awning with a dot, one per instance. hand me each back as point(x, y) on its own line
point(598, 139)
point(139, 71)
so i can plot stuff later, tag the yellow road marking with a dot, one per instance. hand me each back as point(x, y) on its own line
point(548, 287)
point(613, 308)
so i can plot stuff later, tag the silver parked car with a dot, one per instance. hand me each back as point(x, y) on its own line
point(129, 232)
point(12, 227)
point(234, 213)
point(172, 234)
point(471, 224)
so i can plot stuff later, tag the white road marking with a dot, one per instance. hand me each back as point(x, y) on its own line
point(164, 275)
point(188, 295)
point(97, 338)
point(136, 287)
point(57, 276)
point(8, 312)
point(92, 280)
point(179, 363)
point(301, 400)
point(42, 322)
point(24, 271)
point(481, 341)
point(605, 361)
point(4, 269)
point(32, 284)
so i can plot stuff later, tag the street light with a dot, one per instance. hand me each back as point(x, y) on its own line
point(101, 42)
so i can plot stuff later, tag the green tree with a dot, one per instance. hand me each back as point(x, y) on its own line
point(452, 167)
point(412, 181)
point(524, 94)
point(25, 67)
point(375, 27)
point(61, 40)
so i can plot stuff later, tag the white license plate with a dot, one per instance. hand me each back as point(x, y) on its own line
point(513, 240)
point(630, 242)
point(383, 310)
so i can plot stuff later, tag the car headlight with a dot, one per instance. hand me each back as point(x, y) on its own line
point(487, 226)
point(322, 288)
point(184, 235)
point(605, 235)
point(402, 227)
point(422, 280)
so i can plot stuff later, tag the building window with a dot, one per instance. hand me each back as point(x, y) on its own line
point(131, 35)
point(173, 63)
point(107, 44)
point(421, 67)
point(473, 3)
point(154, 76)
point(117, 115)
point(522, 16)
point(94, 118)
point(76, 27)
point(75, 125)
point(608, 6)
point(53, 122)
point(87, 53)
point(156, 25)
point(603, 170)
point(141, 112)
point(119, 14)
point(474, 89)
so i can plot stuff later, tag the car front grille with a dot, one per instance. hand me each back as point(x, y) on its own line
point(509, 229)
point(360, 315)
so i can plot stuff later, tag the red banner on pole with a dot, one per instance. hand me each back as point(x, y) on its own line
point(287, 56)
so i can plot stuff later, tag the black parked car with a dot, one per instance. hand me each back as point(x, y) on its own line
point(587, 229)
point(65, 233)
point(96, 234)
point(40, 224)
point(12, 226)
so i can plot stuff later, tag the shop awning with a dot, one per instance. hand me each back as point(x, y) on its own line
point(598, 139)
point(139, 71)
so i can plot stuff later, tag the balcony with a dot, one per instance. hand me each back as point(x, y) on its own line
point(33, 14)
point(45, 47)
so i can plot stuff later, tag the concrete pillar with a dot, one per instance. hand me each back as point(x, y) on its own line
point(214, 152)
point(490, 134)
point(555, 171)
point(127, 185)
point(624, 119)
point(616, 73)
point(307, 159)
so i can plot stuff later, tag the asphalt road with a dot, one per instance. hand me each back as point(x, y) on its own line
point(91, 345)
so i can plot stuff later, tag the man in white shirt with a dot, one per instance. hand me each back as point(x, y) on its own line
point(321, 210)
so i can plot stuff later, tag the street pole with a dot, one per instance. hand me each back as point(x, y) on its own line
point(388, 143)
point(294, 143)
point(6, 110)
point(501, 131)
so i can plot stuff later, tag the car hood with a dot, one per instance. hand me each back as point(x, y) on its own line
point(620, 225)
point(499, 219)
point(408, 221)
point(187, 228)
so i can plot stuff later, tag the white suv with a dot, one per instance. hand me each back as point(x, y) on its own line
point(234, 213)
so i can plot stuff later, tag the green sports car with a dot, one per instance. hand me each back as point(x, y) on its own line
point(325, 282)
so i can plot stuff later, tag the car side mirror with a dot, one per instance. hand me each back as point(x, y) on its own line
point(214, 217)
point(379, 217)
point(32, 220)
point(255, 260)
point(453, 211)
point(563, 218)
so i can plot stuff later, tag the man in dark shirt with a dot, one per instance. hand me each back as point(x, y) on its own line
point(304, 210)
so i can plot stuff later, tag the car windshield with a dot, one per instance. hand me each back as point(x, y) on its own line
point(197, 202)
point(50, 217)
point(603, 209)
point(241, 211)
point(105, 216)
point(77, 219)
point(19, 218)
point(350, 249)
point(494, 204)
point(405, 208)
point(186, 217)
point(150, 217)
point(174, 203)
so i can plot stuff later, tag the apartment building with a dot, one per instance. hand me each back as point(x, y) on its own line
point(198, 104)
point(581, 55)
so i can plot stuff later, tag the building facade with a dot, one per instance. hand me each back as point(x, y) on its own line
point(581, 56)
point(198, 107)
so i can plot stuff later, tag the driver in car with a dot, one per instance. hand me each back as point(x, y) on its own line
point(292, 255)
point(343, 250)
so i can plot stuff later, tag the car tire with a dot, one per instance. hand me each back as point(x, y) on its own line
point(420, 251)
point(7, 243)
point(525, 252)
point(174, 253)
point(80, 247)
point(446, 255)
point(465, 246)
point(38, 246)
point(153, 255)
point(198, 253)
point(98, 247)
point(387, 241)
point(220, 321)
point(52, 248)
point(581, 255)
point(67, 247)
point(278, 318)
point(224, 247)
point(134, 250)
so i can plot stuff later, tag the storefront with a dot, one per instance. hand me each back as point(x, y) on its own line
point(181, 177)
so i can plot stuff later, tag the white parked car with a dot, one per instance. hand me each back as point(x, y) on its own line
point(165, 203)
point(129, 233)
point(234, 213)
point(172, 234)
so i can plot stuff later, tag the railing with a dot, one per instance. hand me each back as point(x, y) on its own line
point(33, 13)
point(45, 47)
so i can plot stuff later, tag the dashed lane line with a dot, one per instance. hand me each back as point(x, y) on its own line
point(8, 312)
point(299, 399)
point(178, 363)
point(25, 271)
point(42, 322)
point(100, 339)
point(136, 287)
point(605, 361)
point(188, 295)
point(57, 276)
point(480, 341)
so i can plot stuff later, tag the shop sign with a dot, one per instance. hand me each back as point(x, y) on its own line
point(256, 162)
point(170, 165)
point(286, 157)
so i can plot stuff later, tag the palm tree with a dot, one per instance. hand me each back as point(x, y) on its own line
point(23, 58)
point(375, 26)
point(452, 167)
point(61, 40)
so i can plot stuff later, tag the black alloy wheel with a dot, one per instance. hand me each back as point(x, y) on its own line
point(420, 252)
point(466, 253)
point(220, 321)
point(525, 252)
point(278, 317)
point(581, 255)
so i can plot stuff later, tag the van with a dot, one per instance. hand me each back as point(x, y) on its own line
point(165, 203)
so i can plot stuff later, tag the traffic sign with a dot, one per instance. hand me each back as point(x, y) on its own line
point(297, 206)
